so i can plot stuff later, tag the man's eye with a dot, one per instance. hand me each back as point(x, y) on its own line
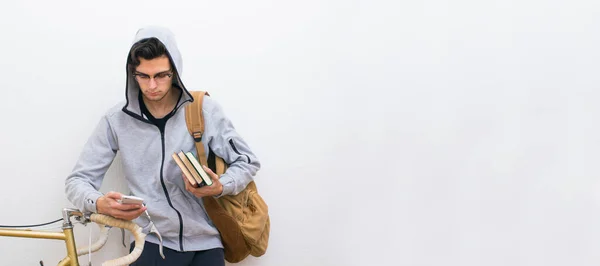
point(162, 75)
point(143, 76)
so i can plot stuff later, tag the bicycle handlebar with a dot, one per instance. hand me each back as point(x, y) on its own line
point(97, 245)
point(131, 227)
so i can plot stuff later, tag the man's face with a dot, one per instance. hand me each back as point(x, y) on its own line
point(154, 77)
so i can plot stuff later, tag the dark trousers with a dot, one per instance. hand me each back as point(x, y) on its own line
point(151, 257)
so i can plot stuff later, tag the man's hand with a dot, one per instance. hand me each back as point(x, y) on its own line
point(215, 189)
point(109, 205)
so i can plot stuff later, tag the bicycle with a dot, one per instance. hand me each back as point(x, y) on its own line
point(68, 237)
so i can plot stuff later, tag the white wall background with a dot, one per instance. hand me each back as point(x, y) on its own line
point(428, 132)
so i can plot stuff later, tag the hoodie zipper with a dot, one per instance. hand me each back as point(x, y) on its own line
point(162, 182)
point(162, 137)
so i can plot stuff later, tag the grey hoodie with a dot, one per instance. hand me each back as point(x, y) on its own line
point(148, 167)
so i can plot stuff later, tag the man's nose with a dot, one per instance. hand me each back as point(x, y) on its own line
point(152, 83)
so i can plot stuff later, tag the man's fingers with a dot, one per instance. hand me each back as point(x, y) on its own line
point(127, 207)
point(116, 205)
point(140, 211)
point(208, 170)
point(113, 195)
point(118, 214)
point(188, 186)
point(128, 215)
point(212, 175)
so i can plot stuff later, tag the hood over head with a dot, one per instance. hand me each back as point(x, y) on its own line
point(132, 90)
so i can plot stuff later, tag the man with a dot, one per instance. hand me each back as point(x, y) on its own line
point(146, 129)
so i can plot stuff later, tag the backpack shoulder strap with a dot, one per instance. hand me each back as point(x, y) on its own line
point(195, 122)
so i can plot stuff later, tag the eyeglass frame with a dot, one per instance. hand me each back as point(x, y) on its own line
point(145, 78)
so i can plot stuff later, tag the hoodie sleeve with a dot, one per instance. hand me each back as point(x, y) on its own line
point(83, 184)
point(229, 145)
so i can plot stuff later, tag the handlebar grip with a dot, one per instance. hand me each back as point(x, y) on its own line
point(136, 230)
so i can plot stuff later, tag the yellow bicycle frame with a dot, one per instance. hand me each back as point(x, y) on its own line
point(66, 235)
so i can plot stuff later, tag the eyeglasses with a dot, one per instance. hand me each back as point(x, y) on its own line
point(162, 77)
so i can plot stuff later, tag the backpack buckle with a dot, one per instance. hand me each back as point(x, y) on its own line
point(197, 136)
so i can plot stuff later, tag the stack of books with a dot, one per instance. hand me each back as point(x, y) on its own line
point(192, 169)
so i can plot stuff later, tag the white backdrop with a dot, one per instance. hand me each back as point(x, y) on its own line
point(428, 132)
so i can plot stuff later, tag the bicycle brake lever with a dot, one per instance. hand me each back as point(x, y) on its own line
point(123, 236)
point(154, 230)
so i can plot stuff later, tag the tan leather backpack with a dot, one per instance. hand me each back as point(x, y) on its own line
point(242, 219)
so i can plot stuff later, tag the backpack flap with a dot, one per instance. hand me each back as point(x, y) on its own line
point(251, 213)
